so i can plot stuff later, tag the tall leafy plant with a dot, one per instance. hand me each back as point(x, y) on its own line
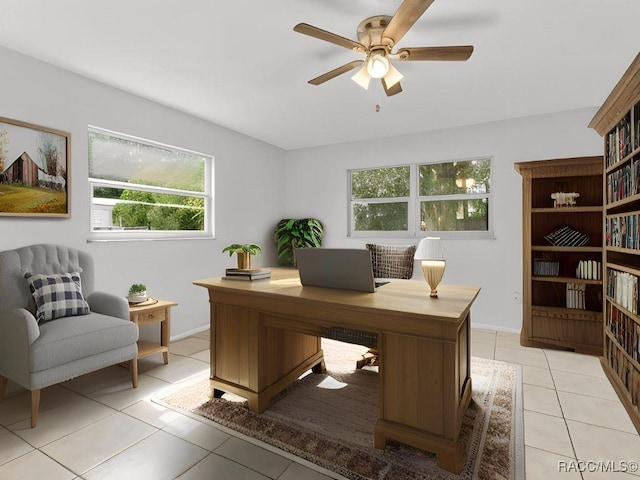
point(293, 233)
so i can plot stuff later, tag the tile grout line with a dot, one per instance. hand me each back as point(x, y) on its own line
point(564, 419)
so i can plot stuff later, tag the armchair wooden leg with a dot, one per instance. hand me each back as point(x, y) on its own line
point(134, 372)
point(3, 387)
point(35, 407)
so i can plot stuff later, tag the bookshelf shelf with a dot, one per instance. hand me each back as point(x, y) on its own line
point(594, 208)
point(566, 280)
point(618, 122)
point(547, 320)
point(550, 248)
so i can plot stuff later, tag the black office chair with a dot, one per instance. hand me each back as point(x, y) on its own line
point(389, 261)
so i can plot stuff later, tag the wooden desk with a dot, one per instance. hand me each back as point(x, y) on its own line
point(265, 333)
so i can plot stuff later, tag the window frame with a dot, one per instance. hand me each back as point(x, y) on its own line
point(414, 200)
point(136, 235)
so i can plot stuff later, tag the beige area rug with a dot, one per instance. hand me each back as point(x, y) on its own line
point(328, 420)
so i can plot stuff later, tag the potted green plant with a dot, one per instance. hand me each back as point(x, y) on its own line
point(293, 233)
point(244, 252)
point(137, 293)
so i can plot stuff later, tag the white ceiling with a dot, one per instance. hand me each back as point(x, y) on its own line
point(239, 64)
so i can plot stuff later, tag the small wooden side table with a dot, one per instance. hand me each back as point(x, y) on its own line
point(149, 312)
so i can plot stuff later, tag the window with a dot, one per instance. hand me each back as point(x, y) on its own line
point(144, 190)
point(380, 199)
point(448, 198)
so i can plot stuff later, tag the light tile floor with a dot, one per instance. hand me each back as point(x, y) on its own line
point(98, 427)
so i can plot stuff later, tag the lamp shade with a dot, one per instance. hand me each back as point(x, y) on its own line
point(362, 77)
point(429, 248)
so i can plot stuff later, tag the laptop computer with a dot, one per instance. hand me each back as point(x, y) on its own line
point(346, 268)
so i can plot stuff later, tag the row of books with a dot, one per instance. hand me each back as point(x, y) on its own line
point(619, 142)
point(626, 331)
point(567, 237)
point(247, 274)
point(589, 270)
point(623, 288)
point(624, 182)
point(576, 295)
point(543, 267)
point(622, 231)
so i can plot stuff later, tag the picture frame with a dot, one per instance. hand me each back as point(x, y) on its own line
point(34, 170)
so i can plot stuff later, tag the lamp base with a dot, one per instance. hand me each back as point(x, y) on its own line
point(433, 271)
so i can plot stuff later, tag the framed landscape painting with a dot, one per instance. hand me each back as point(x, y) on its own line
point(34, 170)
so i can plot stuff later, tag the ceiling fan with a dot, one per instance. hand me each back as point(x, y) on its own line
point(377, 36)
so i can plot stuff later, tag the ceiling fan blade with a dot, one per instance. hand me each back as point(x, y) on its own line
point(459, 53)
point(318, 33)
point(335, 72)
point(407, 14)
point(393, 90)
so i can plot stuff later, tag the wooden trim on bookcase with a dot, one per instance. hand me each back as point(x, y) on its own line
point(616, 106)
point(622, 268)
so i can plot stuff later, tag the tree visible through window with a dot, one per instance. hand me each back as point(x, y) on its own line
point(448, 197)
point(454, 196)
point(141, 187)
point(380, 198)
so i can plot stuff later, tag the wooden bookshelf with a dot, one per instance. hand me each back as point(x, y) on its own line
point(551, 316)
point(618, 122)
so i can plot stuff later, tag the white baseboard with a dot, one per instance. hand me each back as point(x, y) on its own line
point(496, 328)
point(189, 333)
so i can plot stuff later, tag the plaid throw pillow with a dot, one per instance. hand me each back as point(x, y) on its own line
point(57, 296)
point(392, 261)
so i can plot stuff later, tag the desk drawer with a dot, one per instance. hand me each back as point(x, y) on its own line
point(152, 317)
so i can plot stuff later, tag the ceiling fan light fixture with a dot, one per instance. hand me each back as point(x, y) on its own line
point(362, 77)
point(393, 76)
point(378, 65)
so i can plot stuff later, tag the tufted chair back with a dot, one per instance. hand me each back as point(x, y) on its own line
point(45, 259)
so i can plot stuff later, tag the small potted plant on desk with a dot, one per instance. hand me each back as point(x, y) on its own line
point(244, 252)
point(137, 293)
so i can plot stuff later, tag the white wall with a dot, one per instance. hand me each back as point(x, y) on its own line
point(317, 187)
point(249, 185)
point(257, 184)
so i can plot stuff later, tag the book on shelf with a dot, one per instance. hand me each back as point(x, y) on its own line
point(589, 270)
point(622, 287)
point(543, 267)
point(567, 237)
point(622, 231)
point(576, 295)
point(248, 275)
point(625, 330)
point(619, 142)
point(623, 182)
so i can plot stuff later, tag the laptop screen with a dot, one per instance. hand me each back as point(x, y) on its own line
point(345, 268)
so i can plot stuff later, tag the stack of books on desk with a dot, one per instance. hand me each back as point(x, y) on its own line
point(248, 275)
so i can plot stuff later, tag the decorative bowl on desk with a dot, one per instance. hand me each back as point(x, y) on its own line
point(137, 298)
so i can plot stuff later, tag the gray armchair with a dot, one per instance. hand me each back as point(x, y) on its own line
point(68, 331)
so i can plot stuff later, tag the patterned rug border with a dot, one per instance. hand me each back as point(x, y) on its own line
point(332, 469)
